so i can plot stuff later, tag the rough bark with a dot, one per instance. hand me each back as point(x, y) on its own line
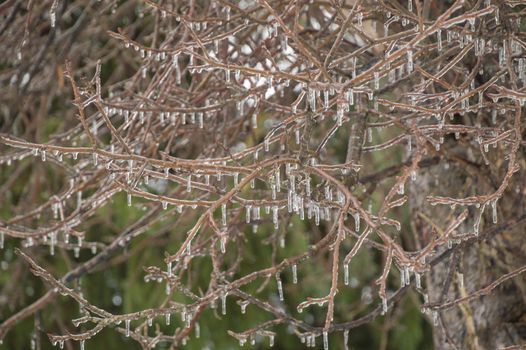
point(498, 319)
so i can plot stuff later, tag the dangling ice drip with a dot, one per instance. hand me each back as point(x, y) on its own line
point(275, 217)
point(409, 61)
point(384, 305)
point(294, 273)
point(476, 225)
point(223, 302)
point(223, 214)
point(280, 287)
point(494, 210)
point(53, 13)
point(248, 209)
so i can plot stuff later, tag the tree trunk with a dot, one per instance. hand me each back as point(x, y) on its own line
point(497, 319)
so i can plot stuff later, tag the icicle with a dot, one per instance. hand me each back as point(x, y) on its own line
point(476, 225)
point(54, 208)
point(167, 319)
point(494, 211)
point(169, 269)
point(129, 200)
point(461, 280)
point(313, 340)
point(418, 280)
point(222, 242)
point(53, 14)
point(409, 61)
point(376, 80)
point(350, 97)
point(280, 287)
point(317, 215)
point(384, 305)
point(294, 273)
point(223, 214)
point(2, 239)
point(369, 135)
point(278, 180)
point(223, 303)
point(189, 184)
point(407, 275)
point(82, 344)
point(127, 322)
point(242, 341)
point(435, 318)
point(346, 338)
point(43, 154)
point(312, 99)
point(53, 239)
point(439, 40)
point(356, 221)
point(401, 189)
point(410, 5)
point(244, 305)
point(271, 340)
point(325, 340)
point(494, 116)
point(346, 274)
point(150, 321)
point(275, 217)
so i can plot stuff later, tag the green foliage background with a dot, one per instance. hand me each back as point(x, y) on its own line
point(404, 327)
point(122, 277)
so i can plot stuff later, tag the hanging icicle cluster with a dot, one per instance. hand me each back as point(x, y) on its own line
point(237, 122)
